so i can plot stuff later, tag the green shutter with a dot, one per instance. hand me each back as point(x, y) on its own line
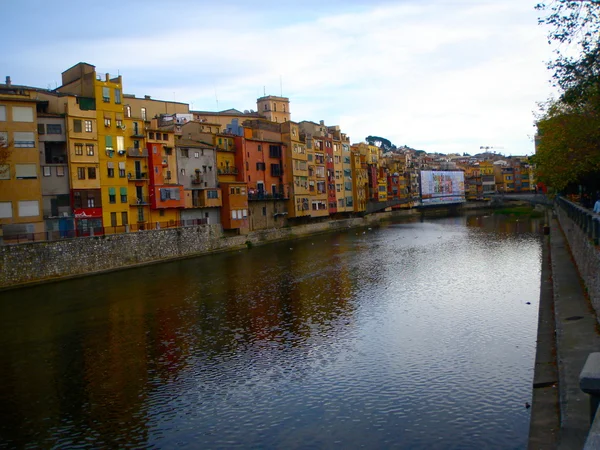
point(111, 191)
point(108, 141)
point(123, 191)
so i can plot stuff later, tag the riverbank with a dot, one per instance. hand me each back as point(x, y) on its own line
point(567, 333)
point(42, 262)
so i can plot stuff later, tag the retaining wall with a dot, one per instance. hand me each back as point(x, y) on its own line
point(585, 254)
point(46, 261)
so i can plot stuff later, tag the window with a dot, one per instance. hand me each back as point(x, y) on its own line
point(3, 115)
point(54, 128)
point(108, 143)
point(5, 210)
point(5, 172)
point(144, 113)
point(196, 155)
point(182, 171)
point(25, 171)
point(92, 173)
point(165, 137)
point(264, 210)
point(140, 214)
point(118, 96)
point(124, 218)
point(91, 202)
point(151, 135)
point(105, 94)
point(110, 169)
point(77, 126)
point(261, 166)
point(60, 171)
point(123, 193)
point(107, 122)
point(136, 144)
point(169, 194)
point(113, 219)
point(120, 143)
point(127, 111)
point(112, 195)
point(276, 170)
point(259, 147)
point(81, 173)
point(22, 114)
point(47, 171)
point(88, 126)
point(41, 128)
point(119, 123)
point(89, 149)
point(29, 208)
point(212, 194)
point(24, 139)
point(79, 149)
point(185, 153)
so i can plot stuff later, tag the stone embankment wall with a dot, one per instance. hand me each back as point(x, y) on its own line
point(46, 261)
point(586, 256)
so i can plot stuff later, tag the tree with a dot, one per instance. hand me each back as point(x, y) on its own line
point(380, 142)
point(568, 149)
point(573, 23)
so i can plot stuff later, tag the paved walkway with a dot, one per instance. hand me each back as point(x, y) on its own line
point(567, 333)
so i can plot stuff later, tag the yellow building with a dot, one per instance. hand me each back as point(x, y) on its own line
point(360, 181)
point(297, 159)
point(106, 158)
point(20, 185)
point(273, 108)
point(136, 172)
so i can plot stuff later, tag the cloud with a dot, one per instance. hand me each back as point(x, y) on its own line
point(438, 75)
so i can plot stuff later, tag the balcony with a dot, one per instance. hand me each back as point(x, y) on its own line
point(197, 181)
point(137, 152)
point(266, 196)
point(139, 201)
point(227, 171)
point(137, 133)
point(137, 176)
point(206, 198)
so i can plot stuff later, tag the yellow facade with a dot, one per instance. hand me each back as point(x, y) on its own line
point(359, 181)
point(299, 201)
point(82, 141)
point(20, 177)
point(137, 164)
point(112, 156)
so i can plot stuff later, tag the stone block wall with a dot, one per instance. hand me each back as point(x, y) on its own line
point(45, 261)
point(586, 256)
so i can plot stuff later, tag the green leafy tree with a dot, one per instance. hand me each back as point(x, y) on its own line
point(380, 142)
point(568, 150)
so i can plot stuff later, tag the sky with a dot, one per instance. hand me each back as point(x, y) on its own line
point(446, 76)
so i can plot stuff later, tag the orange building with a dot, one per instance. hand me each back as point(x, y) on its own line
point(234, 213)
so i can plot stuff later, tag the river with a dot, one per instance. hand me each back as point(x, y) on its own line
point(416, 334)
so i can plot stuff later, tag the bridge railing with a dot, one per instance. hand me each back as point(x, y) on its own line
point(587, 221)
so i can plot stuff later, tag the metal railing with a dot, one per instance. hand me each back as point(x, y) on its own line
point(266, 196)
point(57, 235)
point(585, 219)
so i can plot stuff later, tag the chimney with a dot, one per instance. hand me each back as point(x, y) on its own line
point(8, 82)
point(147, 97)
